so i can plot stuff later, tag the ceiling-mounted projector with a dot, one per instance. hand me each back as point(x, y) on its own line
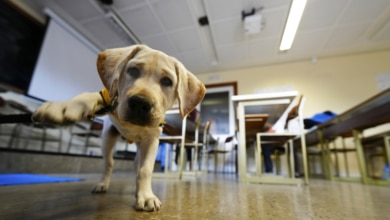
point(252, 24)
point(252, 21)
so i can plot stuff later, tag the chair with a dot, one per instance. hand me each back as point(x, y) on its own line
point(192, 144)
point(200, 145)
point(344, 150)
point(285, 139)
point(183, 134)
point(85, 135)
point(215, 152)
point(376, 146)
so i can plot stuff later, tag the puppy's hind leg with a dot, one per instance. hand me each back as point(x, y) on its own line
point(109, 137)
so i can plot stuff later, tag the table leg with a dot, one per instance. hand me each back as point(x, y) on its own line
point(360, 155)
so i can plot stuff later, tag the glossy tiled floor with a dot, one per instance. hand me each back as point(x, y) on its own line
point(208, 197)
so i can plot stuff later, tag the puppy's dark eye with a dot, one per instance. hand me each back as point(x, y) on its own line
point(134, 72)
point(166, 82)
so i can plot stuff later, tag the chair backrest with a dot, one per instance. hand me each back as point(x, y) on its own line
point(96, 126)
point(207, 126)
point(206, 132)
point(295, 111)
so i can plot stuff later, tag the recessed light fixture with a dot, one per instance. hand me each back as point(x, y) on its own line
point(294, 17)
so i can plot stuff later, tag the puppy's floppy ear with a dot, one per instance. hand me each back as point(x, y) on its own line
point(111, 62)
point(190, 91)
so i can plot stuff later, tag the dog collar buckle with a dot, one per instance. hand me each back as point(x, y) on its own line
point(109, 104)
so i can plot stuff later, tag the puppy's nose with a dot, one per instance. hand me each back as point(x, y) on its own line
point(139, 105)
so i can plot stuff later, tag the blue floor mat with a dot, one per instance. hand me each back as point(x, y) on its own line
point(22, 178)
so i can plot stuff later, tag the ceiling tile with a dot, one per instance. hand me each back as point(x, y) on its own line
point(384, 34)
point(228, 31)
point(195, 61)
point(141, 24)
point(105, 31)
point(127, 4)
point(320, 14)
point(363, 10)
point(160, 42)
point(187, 39)
point(263, 49)
point(232, 53)
point(174, 14)
point(79, 10)
point(310, 42)
point(342, 38)
point(222, 9)
point(116, 44)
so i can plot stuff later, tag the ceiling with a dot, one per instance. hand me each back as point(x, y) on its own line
point(328, 28)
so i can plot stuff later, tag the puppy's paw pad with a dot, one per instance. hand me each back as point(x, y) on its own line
point(150, 204)
point(100, 188)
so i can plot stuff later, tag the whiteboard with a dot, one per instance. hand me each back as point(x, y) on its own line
point(66, 66)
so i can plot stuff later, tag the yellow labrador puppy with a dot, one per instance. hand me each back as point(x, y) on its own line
point(141, 84)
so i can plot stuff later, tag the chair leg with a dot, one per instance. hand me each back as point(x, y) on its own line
point(278, 165)
point(168, 157)
point(60, 141)
point(215, 162)
point(236, 159)
point(327, 162)
point(387, 148)
point(27, 140)
point(278, 169)
point(86, 144)
point(345, 157)
point(336, 158)
point(360, 155)
point(292, 159)
point(43, 141)
point(69, 144)
point(311, 166)
point(224, 163)
point(232, 161)
point(14, 134)
point(196, 163)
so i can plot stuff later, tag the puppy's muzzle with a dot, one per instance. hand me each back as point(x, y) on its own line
point(139, 110)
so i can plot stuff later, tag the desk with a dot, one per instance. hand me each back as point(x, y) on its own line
point(273, 104)
point(371, 112)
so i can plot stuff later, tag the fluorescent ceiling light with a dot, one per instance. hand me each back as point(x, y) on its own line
point(294, 17)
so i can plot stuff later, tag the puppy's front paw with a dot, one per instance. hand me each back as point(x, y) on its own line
point(60, 112)
point(100, 188)
point(49, 112)
point(149, 204)
point(54, 113)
